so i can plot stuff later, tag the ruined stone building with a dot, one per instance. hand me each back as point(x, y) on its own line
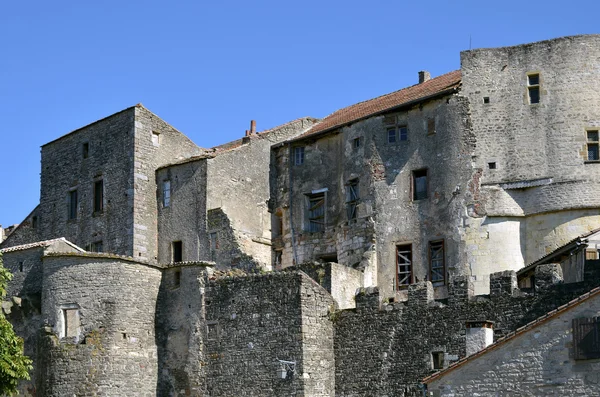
point(440, 217)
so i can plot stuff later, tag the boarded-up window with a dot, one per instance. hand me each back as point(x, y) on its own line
point(352, 199)
point(316, 212)
point(437, 266)
point(70, 322)
point(586, 338)
point(404, 265)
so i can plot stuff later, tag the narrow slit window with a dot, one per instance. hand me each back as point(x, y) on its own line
point(98, 196)
point(85, 150)
point(593, 153)
point(437, 265)
point(404, 265)
point(166, 193)
point(352, 199)
point(533, 88)
point(316, 212)
point(73, 203)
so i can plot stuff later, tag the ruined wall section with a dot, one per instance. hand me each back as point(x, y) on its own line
point(28, 231)
point(184, 218)
point(65, 168)
point(113, 351)
point(387, 350)
point(181, 330)
point(156, 144)
point(238, 185)
point(532, 157)
point(254, 321)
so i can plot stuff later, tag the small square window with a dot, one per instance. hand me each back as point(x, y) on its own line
point(593, 154)
point(492, 165)
point(533, 88)
point(486, 99)
point(155, 138)
point(299, 155)
point(356, 143)
point(419, 185)
point(85, 150)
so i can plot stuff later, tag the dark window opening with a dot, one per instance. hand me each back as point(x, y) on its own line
point(316, 212)
point(404, 265)
point(486, 99)
point(593, 153)
point(329, 258)
point(430, 126)
point(492, 165)
point(586, 338)
point(177, 278)
point(34, 222)
point(438, 360)
point(98, 196)
point(299, 155)
point(352, 199)
point(533, 88)
point(437, 264)
point(356, 143)
point(95, 247)
point(177, 251)
point(85, 150)
point(73, 204)
point(419, 184)
point(20, 267)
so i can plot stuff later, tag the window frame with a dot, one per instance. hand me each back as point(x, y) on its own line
point(534, 87)
point(595, 143)
point(98, 197)
point(413, 184)
point(73, 204)
point(314, 201)
point(406, 280)
point(356, 143)
point(176, 248)
point(432, 269)
point(166, 193)
point(398, 133)
point(352, 199)
point(299, 155)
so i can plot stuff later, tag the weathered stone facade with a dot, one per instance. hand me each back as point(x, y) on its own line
point(422, 200)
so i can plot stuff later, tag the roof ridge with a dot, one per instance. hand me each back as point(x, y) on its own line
point(41, 243)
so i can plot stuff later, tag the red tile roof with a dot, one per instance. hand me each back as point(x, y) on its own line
point(386, 102)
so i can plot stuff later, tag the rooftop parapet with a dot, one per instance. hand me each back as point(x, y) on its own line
point(367, 298)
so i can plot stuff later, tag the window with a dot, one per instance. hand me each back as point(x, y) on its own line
point(437, 266)
point(356, 143)
point(419, 184)
point(298, 155)
point(316, 212)
point(492, 165)
point(95, 247)
point(70, 322)
point(177, 251)
point(398, 133)
point(404, 265)
point(85, 150)
point(586, 338)
point(73, 204)
point(98, 196)
point(352, 199)
point(34, 222)
point(533, 88)
point(166, 193)
point(592, 146)
point(177, 278)
point(431, 126)
point(20, 266)
point(155, 138)
point(486, 99)
point(214, 243)
point(438, 360)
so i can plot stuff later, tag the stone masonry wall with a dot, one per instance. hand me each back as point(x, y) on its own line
point(115, 352)
point(539, 362)
point(386, 351)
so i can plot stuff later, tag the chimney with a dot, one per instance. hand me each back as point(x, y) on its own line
point(252, 127)
point(424, 75)
point(480, 334)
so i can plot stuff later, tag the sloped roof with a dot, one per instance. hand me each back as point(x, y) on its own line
point(519, 331)
point(371, 107)
point(43, 244)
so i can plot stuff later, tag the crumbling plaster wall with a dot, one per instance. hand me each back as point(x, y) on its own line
point(115, 353)
point(538, 362)
point(545, 142)
point(385, 350)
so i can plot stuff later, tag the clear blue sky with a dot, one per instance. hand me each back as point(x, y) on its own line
point(209, 67)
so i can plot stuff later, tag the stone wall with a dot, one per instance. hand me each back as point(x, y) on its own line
point(386, 350)
point(539, 362)
point(114, 351)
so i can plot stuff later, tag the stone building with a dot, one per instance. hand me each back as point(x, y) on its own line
point(144, 270)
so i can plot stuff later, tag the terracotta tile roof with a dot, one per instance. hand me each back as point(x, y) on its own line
point(521, 330)
point(386, 102)
point(37, 244)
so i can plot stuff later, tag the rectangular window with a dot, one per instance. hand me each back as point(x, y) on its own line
point(316, 212)
point(533, 88)
point(419, 184)
point(98, 196)
point(352, 199)
point(177, 251)
point(97, 247)
point(70, 322)
point(73, 204)
point(177, 279)
point(391, 135)
point(166, 193)
point(438, 360)
point(86, 150)
point(592, 146)
point(398, 133)
point(155, 138)
point(403, 133)
point(298, 155)
point(431, 126)
point(586, 338)
point(34, 222)
point(404, 265)
point(214, 243)
point(356, 143)
point(437, 265)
